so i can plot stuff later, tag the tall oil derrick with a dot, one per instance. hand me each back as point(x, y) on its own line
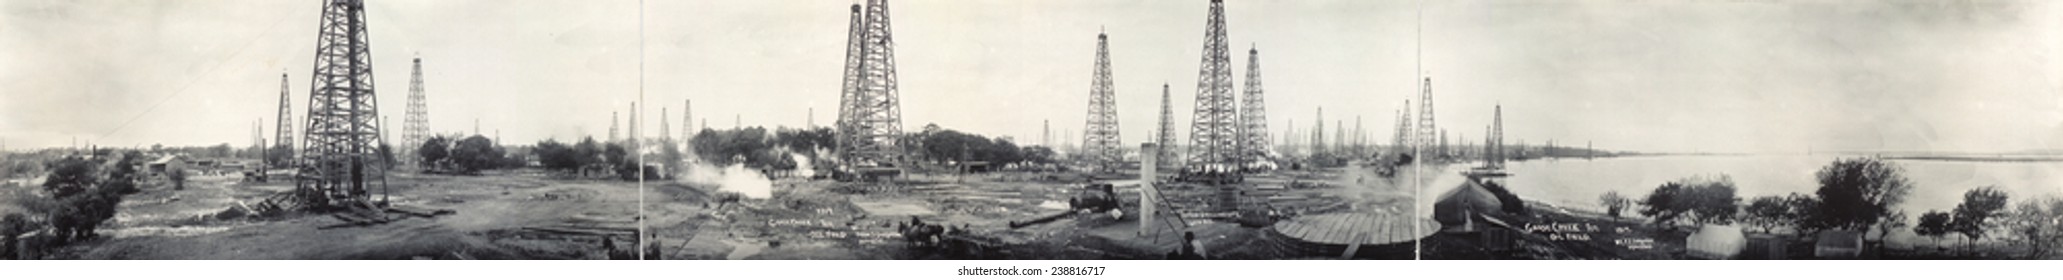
point(1318, 134)
point(1101, 146)
point(1214, 136)
point(688, 130)
point(1165, 137)
point(284, 141)
point(1497, 138)
point(1289, 136)
point(1359, 136)
point(1442, 151)
point(613, 121)
point(1046, 133)
point(1254, 114)
point(848, 91)
point(1403, 135)
point(1426, 130)
point(665, 129)
point(342, 132)
point(874, 118)
point(1339, 136)
point(1407, 132)
point(415, 127)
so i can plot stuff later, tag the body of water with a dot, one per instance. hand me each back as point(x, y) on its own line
point(1577, 183)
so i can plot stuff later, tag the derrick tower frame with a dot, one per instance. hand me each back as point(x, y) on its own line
point(1214, 134)
point(342, 134)
point(1101, 145)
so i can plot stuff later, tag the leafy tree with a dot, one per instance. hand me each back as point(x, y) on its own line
point(1857, 193)
point(12, 227)
point(1039, 154)
point(80, 199)
point(2039, 224)
point(475, 153)
point(1973, 218)
point(1804, 214)
point(1614, 203)
point(280, 155)
point(1768, 213)
point(588, 152)
point(1702, 201)
point(1934, 224)
point(434, 150)
point(221, 150)
point(556, 156)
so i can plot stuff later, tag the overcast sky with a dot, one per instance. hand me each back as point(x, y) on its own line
point(1712, 76)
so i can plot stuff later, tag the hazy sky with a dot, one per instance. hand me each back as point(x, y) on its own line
point(1736, 76)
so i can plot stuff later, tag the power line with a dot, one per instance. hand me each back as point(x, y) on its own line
point(189, 83)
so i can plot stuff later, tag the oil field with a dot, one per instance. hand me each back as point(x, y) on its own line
point(962, 130)
point(332, 186)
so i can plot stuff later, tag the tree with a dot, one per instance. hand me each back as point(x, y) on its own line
point(2039, 224)
point(80, 199)
point(12, 227)
point(556, 156)
point(1973, 216)
point(1934, 224)
point(1613, 203)
point(475, 153)
point(1701, 200)
point(434, 150)
point(280, 155)
point(1768, 213)
point(1042, 154)
point(1857, 193)
point(1804, 213)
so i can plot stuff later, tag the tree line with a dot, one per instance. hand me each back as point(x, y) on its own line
point(1854, 194)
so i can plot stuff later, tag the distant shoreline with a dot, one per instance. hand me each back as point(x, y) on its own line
point(2000, 158)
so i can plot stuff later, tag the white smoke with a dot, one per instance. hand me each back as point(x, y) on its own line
point(802, 165)
point(735, 178)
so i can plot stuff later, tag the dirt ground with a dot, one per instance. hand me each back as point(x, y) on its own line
point(499, 216)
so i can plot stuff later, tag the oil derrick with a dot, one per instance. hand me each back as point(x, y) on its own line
point(665, 130)
point(1426, 130)
point(1407, 135)
point(1289, 135)
point(1214, 136)
point(284, 141)
point(1254, 114)
point(1100, 142)
point(687, 128)
point(1339, 136)
point(1403, 135)
point(1442, 151)
point(613, 121)
point(688, 110)
point(1318, 134)
point(415, 127)
point(1497, 138)
point(1359, 136)
point(343, 113)
point(850, 83)
point(873, 117)
point(1165, 138)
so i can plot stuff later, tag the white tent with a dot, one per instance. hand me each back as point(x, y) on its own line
point(1716, 242)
